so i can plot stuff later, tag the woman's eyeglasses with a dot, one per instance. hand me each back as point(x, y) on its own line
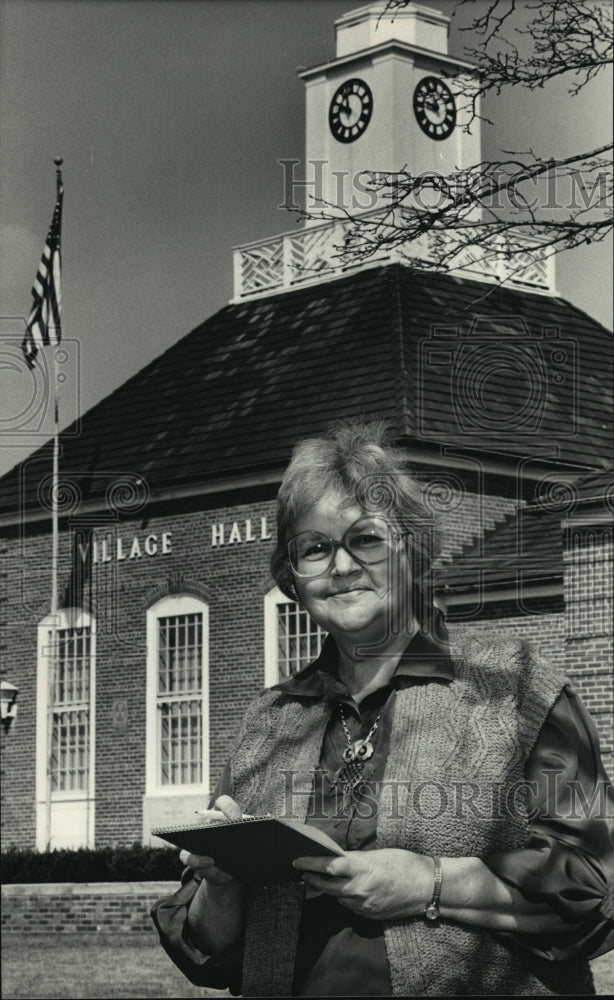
point(369, 540)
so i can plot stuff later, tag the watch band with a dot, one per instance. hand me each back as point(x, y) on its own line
point(432, 910)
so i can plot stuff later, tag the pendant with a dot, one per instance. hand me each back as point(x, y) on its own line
point(361, 750)
point(350, 776)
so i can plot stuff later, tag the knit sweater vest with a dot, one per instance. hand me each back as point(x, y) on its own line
point(453, 787)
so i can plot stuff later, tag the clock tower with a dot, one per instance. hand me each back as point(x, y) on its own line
point(390, 100)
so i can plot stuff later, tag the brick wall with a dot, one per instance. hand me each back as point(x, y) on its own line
point(233, 577)
point(18, 626)
point(588, 586)
point(545, 631)
point(67, 908)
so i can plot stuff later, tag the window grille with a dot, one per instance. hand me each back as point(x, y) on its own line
point(299, 638)
point(588, 583)
point(179, 699)
point(70, 730)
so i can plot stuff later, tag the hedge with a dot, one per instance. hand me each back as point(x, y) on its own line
point(106, 864)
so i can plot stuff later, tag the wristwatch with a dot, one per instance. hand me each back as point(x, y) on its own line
point(432, 910)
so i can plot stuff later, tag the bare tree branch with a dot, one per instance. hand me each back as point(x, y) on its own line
point(520, 201)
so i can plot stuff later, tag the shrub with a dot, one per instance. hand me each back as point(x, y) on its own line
point(105, 864)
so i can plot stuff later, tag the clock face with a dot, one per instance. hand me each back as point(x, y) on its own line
point(350, 110)
point(434, 108)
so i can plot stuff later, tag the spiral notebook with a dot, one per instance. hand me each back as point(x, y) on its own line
point(257, 851)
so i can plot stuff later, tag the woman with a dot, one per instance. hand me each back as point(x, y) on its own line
point(446, 774)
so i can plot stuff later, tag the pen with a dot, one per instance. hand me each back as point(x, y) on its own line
point(216, 814)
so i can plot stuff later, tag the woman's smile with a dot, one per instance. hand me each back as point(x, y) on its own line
point(350, 599)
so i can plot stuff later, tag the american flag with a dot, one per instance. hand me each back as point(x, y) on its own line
point(44, 320)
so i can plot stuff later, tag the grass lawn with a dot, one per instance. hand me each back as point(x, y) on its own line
point(81, 967)
point(84, 967)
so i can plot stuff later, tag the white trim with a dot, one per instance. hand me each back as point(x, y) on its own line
point(271, 670)
point(171, 605)
point(587, 518)
point(65, 618)
point(365, 55)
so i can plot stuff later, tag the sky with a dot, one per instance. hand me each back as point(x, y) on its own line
point(171, 118)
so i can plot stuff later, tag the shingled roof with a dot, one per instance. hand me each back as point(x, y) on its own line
point(445, 360)
point(524, 548)
point(527, 546)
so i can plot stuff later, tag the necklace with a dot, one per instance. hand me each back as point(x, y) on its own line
point(356, 753)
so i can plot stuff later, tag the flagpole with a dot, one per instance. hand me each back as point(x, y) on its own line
point(54, 505)
point(53, 661)
point(56, 444)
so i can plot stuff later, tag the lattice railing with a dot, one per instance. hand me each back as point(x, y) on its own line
point(312, 254)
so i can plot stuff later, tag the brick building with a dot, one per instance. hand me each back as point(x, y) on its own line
point(498, 391)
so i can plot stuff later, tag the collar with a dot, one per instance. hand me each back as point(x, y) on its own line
point(427, 655)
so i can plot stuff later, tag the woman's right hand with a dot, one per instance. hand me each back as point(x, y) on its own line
point(215, 914)
point(204, 866)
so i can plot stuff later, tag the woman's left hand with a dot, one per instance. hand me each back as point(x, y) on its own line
point(384, 884)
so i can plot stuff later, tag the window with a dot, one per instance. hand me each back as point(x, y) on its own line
point(179, 699)
point(178, 694)
point(70, 732)
point(292, 638)
point(65, 730)
point(588, 581)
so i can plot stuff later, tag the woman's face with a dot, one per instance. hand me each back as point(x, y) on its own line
point(351, 600)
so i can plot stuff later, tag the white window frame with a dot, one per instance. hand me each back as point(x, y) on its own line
point(271, 668)
point(174, 605)
point(64, 619)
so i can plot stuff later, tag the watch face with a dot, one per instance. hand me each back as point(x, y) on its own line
point(434, 108)
point(350, 110)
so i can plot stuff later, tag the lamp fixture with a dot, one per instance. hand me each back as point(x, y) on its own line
point(8, 703)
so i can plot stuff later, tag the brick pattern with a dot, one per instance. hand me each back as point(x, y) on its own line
point(545, 631)
point(588, 585)
point(112, 907)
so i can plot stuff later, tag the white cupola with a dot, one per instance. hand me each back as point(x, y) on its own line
point(369, 26)
point(389, 101)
